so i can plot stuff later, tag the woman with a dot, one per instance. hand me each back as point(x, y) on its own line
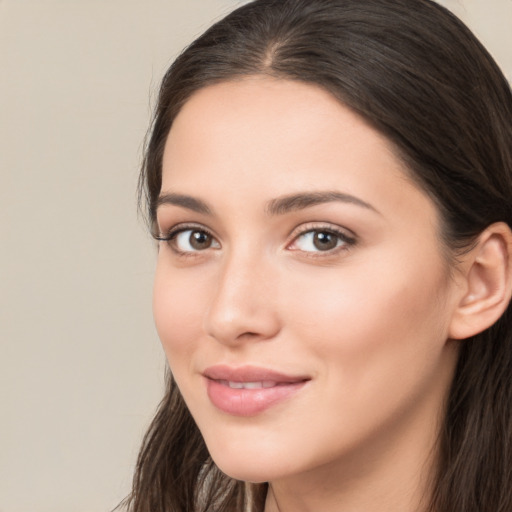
point(330, 183)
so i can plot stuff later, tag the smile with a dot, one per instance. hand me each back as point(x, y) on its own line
point(249, 391)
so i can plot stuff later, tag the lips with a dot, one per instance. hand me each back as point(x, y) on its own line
point(249, 390)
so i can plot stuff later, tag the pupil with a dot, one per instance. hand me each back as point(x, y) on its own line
point(200, 240)
point(324, 241)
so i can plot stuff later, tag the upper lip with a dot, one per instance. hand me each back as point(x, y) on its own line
point(250, 374)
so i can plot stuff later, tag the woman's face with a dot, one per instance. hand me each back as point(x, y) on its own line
point(301, 294)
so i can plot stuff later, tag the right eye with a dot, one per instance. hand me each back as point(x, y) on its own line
point(189, 240)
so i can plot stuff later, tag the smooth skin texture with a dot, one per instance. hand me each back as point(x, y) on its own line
point(354, 291)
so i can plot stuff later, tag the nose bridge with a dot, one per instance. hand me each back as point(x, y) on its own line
point(242, 306)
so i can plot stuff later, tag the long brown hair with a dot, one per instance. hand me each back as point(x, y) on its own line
point(418, 75)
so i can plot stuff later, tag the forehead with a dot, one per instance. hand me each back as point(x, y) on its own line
point(258, 118)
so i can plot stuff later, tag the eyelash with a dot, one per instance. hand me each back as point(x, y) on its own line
point(347, 241)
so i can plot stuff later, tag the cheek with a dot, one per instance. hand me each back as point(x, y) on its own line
point(374, 319)
point(378, 348)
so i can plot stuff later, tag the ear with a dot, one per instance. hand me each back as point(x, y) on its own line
point(487, 283)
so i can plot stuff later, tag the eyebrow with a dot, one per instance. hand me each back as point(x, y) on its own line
point(301, 201)
point(188, 202)
point(277, 206)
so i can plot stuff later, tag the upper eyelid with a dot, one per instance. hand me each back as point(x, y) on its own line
point(167, 234)
point(319, 226)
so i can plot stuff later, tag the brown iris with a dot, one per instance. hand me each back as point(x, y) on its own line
point(200, 240)
point(325, 241)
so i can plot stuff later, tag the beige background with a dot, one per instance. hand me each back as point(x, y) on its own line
point(80, 364)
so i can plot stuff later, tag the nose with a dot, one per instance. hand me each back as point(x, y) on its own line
point(243, 306)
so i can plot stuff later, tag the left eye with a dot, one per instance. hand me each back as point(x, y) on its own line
point(319, 241)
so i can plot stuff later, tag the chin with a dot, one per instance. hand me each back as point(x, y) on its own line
point(250, 468)
point(247, 474)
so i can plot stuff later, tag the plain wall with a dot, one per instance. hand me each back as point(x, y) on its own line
point(81, 368)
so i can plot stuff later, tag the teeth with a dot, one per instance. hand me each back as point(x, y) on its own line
point(250, 385)
point(253, 385)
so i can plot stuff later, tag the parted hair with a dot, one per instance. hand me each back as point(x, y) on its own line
point(418, 75)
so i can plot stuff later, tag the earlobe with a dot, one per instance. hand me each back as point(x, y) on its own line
point(488, 283)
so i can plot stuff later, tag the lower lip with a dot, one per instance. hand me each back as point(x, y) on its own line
point(249, 402)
